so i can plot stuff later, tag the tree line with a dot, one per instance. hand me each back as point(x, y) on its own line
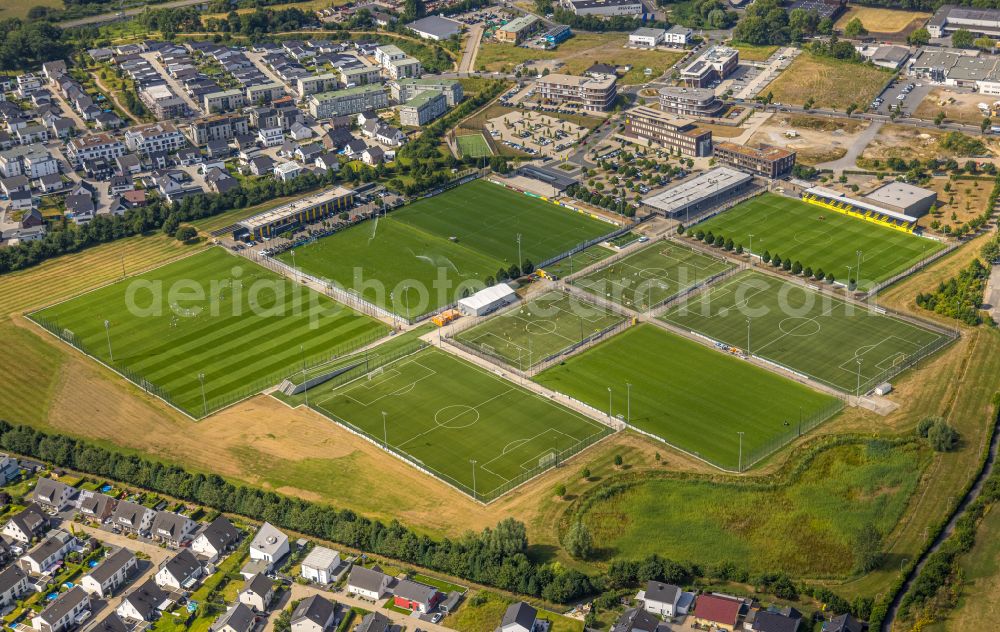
point(27, 45)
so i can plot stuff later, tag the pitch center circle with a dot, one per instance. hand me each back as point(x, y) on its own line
point(456, 416)
point(541, 327)
point(798, 326)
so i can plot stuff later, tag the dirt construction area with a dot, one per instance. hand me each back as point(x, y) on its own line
point(814, 139)
point(959, 106)
point(907, 143)
point(535, 133)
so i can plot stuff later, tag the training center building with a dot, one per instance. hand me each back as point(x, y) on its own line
point(763, 160)
point(698, 102)
point(949, 18)
point(303, 211)
point(699, 193)
point(489, 300)
point(885, 206)
point(650, 126)
point(715, 64)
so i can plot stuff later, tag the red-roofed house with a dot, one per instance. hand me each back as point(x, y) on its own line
point(715, 610)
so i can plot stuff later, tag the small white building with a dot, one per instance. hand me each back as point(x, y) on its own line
point(269, 545)
point(489, 300)
point(320, 564)
point(287, 171)
point(648, 37)
point(678, 35)
point(661, 599)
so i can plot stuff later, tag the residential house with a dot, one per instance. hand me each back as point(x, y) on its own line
point(372, 155)
point(661, 599)
point(787, 620)
point(413, 595)
point(370, 583)
point(33, 161)
point(218, 538)
point(188, 157)
point(270, 136)
point(843, 623)
point(15, 184)
point(20, 200)
point(111, 574)
point(299, 131)
point(10, 470)
point(308, 153)
point(80, 207)
point(638, 620)
point(66, 612)
point(110, 623)
point(13, 584)
point(172, 527)
point(47, 553)
point(128, 164)
point(239, 618)
point(97, 506)
point(335, 139)
point(120, 184)
point(320, 564)
point(261, 165)
point(287, 171)
point(132, 517)
point(180, 572)
point(717, 611)
point(354, 148)
point(270, 544)
point(327, 162)
point(27, 524)
point(53, 494)
point(374, 622)
point(313, 614)
point(519, 617)
point(257, 593)
point(143, 603)
point(50, 183)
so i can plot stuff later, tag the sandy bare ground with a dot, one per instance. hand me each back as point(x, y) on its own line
point(814, 139)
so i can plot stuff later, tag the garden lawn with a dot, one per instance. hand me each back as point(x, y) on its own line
point(693, 397)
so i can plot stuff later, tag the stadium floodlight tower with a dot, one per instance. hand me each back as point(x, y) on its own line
point(628, 402)
point(740, 463)
point(609, 402)
point(295, 267)
point(107, 331)
point(859, 253)
point(519, 259)
point(385, 430)
point(204, 402)
point(750, 250)
point(748, 336)
point(857, 392)
point(473, 462)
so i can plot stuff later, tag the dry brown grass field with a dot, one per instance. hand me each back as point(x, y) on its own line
point(879, 20)
point(831, 83)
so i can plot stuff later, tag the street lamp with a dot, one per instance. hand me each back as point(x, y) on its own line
point(751, 249)
point(857, 393)
point(473, 462)
point(748, 336)
point(609, 401)
point(859, 253)
point(385, 431)
point(849, 268)
point(107, 331)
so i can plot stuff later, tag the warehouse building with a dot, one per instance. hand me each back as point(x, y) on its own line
point(904, 198)
point(436, 27)
point(697, 102)
point(700, 193)
point(605, 8)
point(517, 30)
point(658, 127)
point(595, 93)
point(303, 211)
point(489, 300)
point(763, 160)
point(715, 64)
point(557, 35)
point(949, 18)
point(348, 101)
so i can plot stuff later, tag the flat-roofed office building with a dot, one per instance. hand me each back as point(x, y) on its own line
point(595, 93)
point(668, 131)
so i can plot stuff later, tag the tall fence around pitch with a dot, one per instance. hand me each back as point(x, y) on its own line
point(202, 406)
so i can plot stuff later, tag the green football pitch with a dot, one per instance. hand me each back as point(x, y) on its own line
point(693, 397)
point(545, 325)
point(213, 314)
point(820, 238)
point(422, 257)
point(649, 276)
point(578, 261)
point(468, 426)
point(843, 345)
point(473, 146)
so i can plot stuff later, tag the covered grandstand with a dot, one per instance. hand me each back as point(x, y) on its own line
point(836, 201)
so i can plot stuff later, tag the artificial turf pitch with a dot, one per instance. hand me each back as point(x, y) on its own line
point(473, 146)
point(453, 418)
point(811, 333)
point(260, 326)
point(819, 238)
point(422, 257)
point(651, 275)
point(691, 396)
point(545, 325)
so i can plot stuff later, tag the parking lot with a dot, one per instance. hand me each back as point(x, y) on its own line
point(900, 94)
point(535, 133)
point(750, 78)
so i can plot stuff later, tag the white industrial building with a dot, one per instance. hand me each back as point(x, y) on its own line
point(699, 193)
point(489, 300)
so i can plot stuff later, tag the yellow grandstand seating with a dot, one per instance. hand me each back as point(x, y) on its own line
point(848, 209)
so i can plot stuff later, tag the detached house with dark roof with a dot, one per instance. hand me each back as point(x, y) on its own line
point(13, 584)
point(216, 539)
point(662, 599)
point(65, 613)
point(53, 494)
point(789, 620)
point(132, 517)
point(638, 620)
point(413, 595)
point(519, 617)
point(370, 583)
point(257, 593)
point(374, 622)
point(143, 603)
point(315, 614)
point(111, 574)
point(181, 572)
point(172, 527)
point(238, 618)
point(27, 524)
point(97, 506)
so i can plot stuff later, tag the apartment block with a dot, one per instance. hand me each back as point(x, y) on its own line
point(656, 126)
point(595, 93)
